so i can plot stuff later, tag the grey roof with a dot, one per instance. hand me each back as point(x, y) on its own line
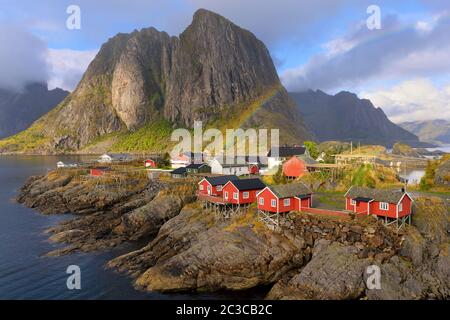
point(196, 165)
point(249, 184)
point(290, 190)
point(307, 159)
point(242, 165)
point(119, 156)
point(221, 180)
point(181, 170)
point(381, 195)
point(284, 152)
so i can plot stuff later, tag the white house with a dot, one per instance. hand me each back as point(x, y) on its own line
point(108, 158)
point(185, 159)
point(277, 155)
point(61, 164)
point(228, 169)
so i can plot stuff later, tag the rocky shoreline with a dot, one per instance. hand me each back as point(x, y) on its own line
point(191, 249)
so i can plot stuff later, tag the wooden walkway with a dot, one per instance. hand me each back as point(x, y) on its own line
point(330, 213)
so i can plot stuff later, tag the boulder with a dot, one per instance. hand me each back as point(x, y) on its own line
point(334, 272)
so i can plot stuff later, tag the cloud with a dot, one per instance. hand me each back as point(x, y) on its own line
point(67, 67)
point(413, 100)
point(22, 58)
point(397, 50)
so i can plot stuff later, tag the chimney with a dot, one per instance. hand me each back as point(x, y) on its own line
point(403, 190)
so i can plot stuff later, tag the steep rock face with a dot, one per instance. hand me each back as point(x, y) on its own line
point(345, 117)
point(18, 110)
point(214, 71)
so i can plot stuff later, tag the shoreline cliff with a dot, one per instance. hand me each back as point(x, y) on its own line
point(193, 249)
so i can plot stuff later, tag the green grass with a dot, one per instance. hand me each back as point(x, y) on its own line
point(28, 140)
point(360, 176)
point(152, 137)
point(331, 200)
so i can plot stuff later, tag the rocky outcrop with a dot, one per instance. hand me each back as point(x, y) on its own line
point(423, 266)
point(401, 149)
point(110, 211)
point(150, 217)
point(214, 71)
point(334, 272)
point(193, 249)
point(217, 258)
point(418, 269)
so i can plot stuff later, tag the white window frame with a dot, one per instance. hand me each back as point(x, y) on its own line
point(226, 195)
point(400, 207)
point(287, 202)
point(273, 203)
point(236, 195)
point(209, 189)
point(261, 201)
point(384, 206)
point(353, 202)
point(219, 188)
point(246, 195)
point(201, 187)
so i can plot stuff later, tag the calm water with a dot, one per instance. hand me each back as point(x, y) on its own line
point(25, 274)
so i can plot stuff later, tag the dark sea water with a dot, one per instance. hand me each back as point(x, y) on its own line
point(25, 274)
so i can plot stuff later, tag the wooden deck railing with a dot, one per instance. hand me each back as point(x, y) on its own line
point(210, 198)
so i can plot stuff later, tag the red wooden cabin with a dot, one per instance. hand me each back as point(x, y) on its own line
point(284, 198)
point(99, 171)
point(253, 169)
point(149, 163)
point(393, 204)
point(213, 185)
point(297, 166)
point(242, 191)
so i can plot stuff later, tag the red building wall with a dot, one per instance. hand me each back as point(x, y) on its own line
point(359, 207)
point(280, 207)
point(150, 163)
point(254, 169)
point(407, 207)
point(268, 196)
point(97, 172)
point(305, 203)
point(214, 189)
point(205, 185)
point(294, 167)
point(231, 189)
point(375, 208)
point(390, 213)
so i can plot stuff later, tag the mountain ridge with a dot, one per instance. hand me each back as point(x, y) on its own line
point(19, 109)
point(346, 117)
point(432, 131)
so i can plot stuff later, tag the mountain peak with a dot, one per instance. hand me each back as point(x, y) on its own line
point(212, 72)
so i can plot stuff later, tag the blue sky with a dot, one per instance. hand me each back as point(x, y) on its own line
point(320, 44)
